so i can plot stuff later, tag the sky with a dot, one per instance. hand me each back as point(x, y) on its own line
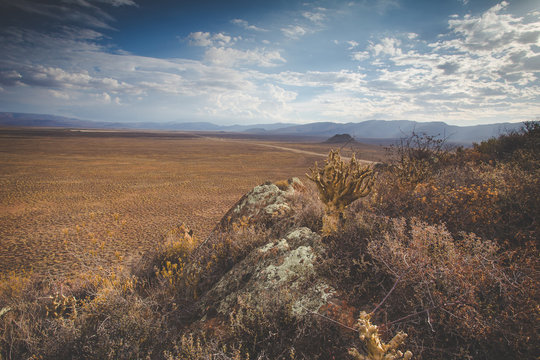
point(464, 62)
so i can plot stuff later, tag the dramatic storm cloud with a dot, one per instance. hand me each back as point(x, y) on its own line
point(463, 62)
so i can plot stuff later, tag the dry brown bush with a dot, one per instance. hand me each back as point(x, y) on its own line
point(455, 293)
point(456, 296)
point(495, 200)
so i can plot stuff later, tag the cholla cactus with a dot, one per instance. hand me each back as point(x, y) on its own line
point(61, 305)
point(376, 349)
point(340, 184)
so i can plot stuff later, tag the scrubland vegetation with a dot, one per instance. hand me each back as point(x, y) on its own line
point(438, 261)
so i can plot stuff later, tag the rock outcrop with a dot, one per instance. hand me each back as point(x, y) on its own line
point(283, 265)
point(261, 203)
point(287, 263)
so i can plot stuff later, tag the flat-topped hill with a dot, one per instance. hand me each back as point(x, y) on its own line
point(340, 139)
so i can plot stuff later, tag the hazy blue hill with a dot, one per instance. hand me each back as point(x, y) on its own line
point(395, 129)
point(45, 120)
point(191, 126)
point(340, 139)
point(312, 129)
point(372, 129)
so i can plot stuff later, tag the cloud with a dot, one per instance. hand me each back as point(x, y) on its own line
point(336, 80)
point(387, 46)
point(381, 6)
point(246, 25)
point(449, 68)
point(360, 55)
point(492, 31)
point(484, 68)
point(268, 102)
point(81, 12)
point(230, 57)
point(59, 94)
point(10, 78)
point(317, 16)
point(281, 95)
point(55, 77)
point(352, 44)
point(105, 98)
point(294, 31)
point(87, 3)
point(73, 71)
point(205, 39)
point(118, 3)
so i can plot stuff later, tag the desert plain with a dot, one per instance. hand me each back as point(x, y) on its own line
point(71, 199)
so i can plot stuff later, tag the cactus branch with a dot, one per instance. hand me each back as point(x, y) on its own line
point(339, 184)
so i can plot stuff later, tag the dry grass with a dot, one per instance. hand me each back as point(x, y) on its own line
point(70, 201)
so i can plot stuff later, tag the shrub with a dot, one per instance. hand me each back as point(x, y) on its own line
point(465, 200)
point(421, 244)
point(309, 210)
point(497, 200)
point(191, 347)
point(103, 319)
point(418, 157)
point(346, 262)
point(520, 146)
point(453, 293)
point(220, 252)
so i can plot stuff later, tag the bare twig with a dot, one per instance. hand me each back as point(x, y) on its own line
point(391, 290)
point(421, 312)
point(330, 319)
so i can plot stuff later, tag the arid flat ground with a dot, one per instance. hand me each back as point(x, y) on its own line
point(75, 199)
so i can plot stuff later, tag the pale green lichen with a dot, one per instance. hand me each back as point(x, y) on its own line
point(314, 298)
point(282, 245)
point(297, 262)
point(285, 263)
point(277, 208)
point(261, 194)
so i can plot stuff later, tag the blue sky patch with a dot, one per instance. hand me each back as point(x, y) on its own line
point(464, 62)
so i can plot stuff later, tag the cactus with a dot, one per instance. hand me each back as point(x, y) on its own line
point(4, 311)
point(376, 349)
point(340, 184)
point(61, 305)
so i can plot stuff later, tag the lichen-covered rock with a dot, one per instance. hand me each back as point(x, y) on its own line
point(260, 197)
point(286, 263)
point(262, 204)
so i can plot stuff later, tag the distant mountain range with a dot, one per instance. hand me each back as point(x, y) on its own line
point(44, 120)
point(362, 131)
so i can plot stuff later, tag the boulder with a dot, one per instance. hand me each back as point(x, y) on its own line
point(286, 263)
point(262, 205)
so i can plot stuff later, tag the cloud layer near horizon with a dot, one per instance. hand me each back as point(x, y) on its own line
point(483, 68)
